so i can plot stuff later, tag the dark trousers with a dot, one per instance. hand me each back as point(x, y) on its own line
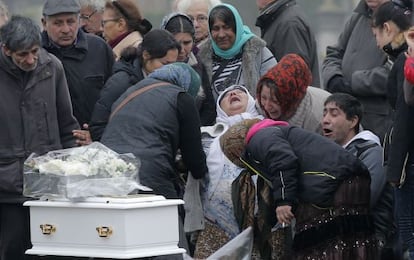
point(14, 231)
point(404, 203)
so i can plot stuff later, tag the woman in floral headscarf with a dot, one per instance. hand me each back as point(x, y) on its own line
point(234, 55)
point(284, 94)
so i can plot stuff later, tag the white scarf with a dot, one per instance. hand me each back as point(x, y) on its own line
point(216, 160)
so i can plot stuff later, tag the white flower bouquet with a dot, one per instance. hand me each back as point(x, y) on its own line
point(80, 172)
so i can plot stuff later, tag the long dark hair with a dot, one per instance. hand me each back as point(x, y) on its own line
point(224, 14)
point(179, 23)
point(156, 42)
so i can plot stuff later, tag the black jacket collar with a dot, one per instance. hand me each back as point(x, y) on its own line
point(272, 11)
point(77, 51)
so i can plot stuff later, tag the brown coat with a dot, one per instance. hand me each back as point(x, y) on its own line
point(36, 117)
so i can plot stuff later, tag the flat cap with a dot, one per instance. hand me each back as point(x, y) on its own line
point(52, 7)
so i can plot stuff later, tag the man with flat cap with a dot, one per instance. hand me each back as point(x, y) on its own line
point(87, 59)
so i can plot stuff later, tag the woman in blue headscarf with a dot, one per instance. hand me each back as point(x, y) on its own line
point(234, 55)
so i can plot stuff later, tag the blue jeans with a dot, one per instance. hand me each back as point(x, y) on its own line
point(404, 205)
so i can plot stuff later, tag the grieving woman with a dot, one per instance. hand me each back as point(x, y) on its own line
point(304, 176)
point(157, 49)
point(233, 105)
point(284, 93)
point(155, 124)
point(158, 122)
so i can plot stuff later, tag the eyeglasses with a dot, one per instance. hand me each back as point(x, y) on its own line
point(87, 17)
point(103, 22)
point(199, 18)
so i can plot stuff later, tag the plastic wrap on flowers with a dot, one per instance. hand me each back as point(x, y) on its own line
point(81, 172)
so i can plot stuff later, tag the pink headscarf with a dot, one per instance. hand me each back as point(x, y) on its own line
point(263, 124)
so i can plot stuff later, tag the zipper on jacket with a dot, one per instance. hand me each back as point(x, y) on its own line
point(22, 121)
point(47, 123)
point(283, 184)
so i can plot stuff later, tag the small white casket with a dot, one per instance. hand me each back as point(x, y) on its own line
point(123, 228)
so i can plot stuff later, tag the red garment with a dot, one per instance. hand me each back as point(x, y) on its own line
point(409, 70)
point(292, 76)
point(262, 124)
point(118, 39)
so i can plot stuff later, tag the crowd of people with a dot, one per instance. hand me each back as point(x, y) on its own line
point(318, 160)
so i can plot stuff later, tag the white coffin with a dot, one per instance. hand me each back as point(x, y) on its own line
point(122, 228)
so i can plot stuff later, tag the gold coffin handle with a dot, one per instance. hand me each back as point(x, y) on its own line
point(47, 229)
point(104, 231)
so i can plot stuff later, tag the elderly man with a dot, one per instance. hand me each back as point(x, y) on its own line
point(91, 16)
point(87, 59)
point(4, 13)
point(286, 30)
point(36, 117)
point(198, 10)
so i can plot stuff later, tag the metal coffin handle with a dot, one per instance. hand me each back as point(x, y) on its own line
point(47, 229)
point(104, 231)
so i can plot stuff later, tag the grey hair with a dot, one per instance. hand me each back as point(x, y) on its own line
point(98, 5)
point(183, 5)
point(20, 33)
point(4, 11)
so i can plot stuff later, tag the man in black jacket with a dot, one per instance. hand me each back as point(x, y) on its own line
point(285, 29)
point(87, 59)
point(36, 117)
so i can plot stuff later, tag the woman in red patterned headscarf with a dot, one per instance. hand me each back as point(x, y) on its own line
point(284, 93)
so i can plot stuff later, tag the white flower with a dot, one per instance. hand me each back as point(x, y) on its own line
point(54, 166)
point(88, 162)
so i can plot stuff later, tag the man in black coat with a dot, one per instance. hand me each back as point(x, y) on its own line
point(286, 30)
point(87, 59)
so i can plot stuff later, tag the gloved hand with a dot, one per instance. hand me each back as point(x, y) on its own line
point(409, 69)
point(339, 84)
